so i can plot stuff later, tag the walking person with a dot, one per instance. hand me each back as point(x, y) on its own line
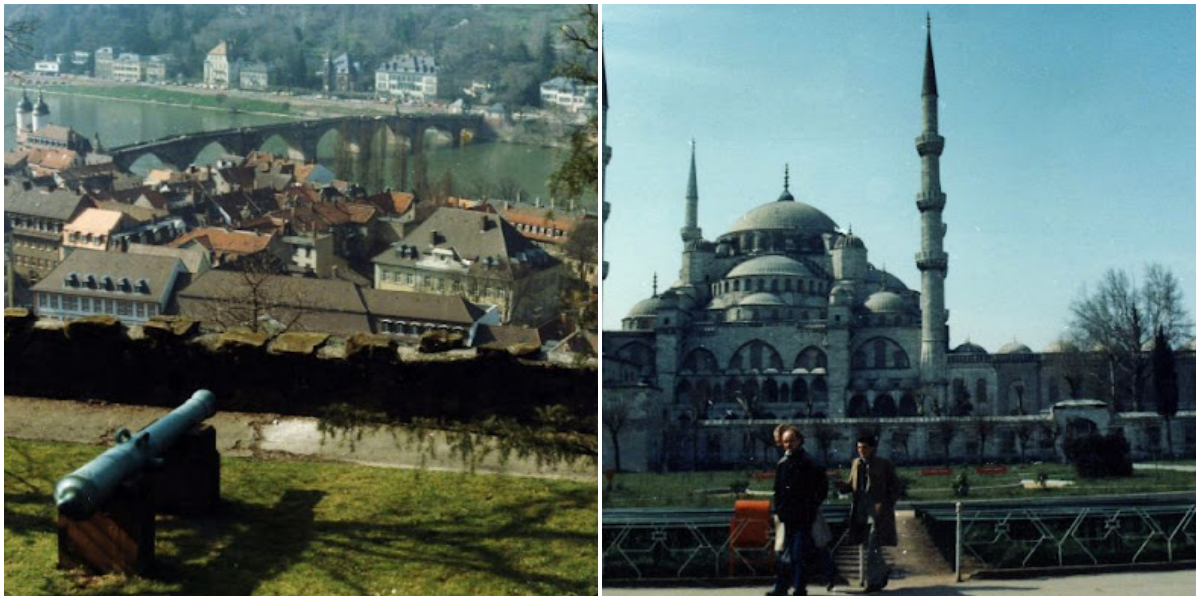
point(875, 488)
point(800, 488)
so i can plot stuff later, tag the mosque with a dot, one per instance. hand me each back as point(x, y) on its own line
point(784, 318)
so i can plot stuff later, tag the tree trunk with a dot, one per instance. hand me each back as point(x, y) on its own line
point(1170, 446)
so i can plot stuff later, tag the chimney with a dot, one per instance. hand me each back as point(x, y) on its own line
point(433, 237)
point(485, 224)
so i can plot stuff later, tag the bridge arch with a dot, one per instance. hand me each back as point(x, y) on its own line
point(148, 161)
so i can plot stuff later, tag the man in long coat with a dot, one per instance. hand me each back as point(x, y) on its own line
point(876, 488)
point(800, 488)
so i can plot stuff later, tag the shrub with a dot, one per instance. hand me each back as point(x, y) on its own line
point(1096, 455)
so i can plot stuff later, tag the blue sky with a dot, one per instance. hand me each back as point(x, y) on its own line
point(1070, 143)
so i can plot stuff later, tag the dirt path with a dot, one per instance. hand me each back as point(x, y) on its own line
point(275, 437)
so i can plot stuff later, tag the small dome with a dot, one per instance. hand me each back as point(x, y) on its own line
point(885, 301)
point(969, 348)
point(770, 265)
point(646, 308)
point(785, 214)
point(41, 108)
point(849, 241)
point(26, 105)
point(1061, 347)
point(761, 299)
point(1014, 348)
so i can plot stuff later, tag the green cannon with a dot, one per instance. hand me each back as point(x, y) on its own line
point(81, 493)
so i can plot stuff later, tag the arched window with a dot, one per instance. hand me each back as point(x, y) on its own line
point(700, 360)
point(858, 407)
point(757, 355)
point(800, 391)
point(770, 391)
point(810, 359)
point(885, 406)
point(908, 406)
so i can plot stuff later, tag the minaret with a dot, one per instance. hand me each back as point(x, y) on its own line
point(691, 232)
point(607, 157)
point(932, 260)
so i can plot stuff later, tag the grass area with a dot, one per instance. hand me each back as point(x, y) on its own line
point(715, 489)
point(299, 528)
point(182, 96)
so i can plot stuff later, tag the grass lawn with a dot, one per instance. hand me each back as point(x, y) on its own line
point(301, 528)
point(714, 489)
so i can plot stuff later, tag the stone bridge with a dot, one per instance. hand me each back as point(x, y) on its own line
point(355, 134)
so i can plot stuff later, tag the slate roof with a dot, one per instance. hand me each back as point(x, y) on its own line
point(157, 271)
point(472, 236)
point(431, 307)
point(192, 258)
point(503, 336)
point(60, 204)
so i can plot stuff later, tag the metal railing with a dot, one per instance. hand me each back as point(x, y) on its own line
point(692, 543)
point(1000, 538)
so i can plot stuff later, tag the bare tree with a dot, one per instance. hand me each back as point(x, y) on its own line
point(254, 298)
point(982, 427)
point(1119, 318)
point(617, 414)
point(19, 34)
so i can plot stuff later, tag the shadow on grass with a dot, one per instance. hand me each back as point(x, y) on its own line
point(238, 547)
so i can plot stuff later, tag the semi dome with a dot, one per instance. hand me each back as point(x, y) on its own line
point(885, 301)
point(646, 308)
point(770, 265)
point(969, 348)
point(1014, 348)
point(785, 214)
point(761, 299)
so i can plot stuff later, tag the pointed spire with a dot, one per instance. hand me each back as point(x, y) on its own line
point(654, 288)
point(930, 86)
point(691, 191)
point(786, 196)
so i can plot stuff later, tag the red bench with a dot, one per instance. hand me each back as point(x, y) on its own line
point(764, 475)
point(992, 470)
point(936, 472)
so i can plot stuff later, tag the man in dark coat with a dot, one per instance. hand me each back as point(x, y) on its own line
point(876, 488)
point(800, 488)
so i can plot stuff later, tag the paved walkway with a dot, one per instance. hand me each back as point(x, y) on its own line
point(1164, 583)
point(1174, 467)
point(274, 436)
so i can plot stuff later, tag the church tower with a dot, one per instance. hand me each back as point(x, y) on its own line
point(24, 113)
point(932, 260)
point(40, 111)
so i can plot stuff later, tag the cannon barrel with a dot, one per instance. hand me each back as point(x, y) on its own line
point(79, 494)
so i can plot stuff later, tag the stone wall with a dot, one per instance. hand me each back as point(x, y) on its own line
point(164, 361)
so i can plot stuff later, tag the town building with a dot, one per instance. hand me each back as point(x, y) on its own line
point(784, 318)
point(220, 68)
point(103, 68)
point(35, 219)
point(255, 76)
point(568, 94)
point(408, 77)
point(478, 255)
point(130, 287)
point(341, 74)
point(50, 66)
point(129, 67)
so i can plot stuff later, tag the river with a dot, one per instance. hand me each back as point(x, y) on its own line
point(491, 166)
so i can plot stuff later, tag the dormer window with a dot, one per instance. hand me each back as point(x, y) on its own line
point(143, 286)
point(72, 279)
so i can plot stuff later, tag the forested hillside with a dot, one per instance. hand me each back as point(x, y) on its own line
point(514, 47)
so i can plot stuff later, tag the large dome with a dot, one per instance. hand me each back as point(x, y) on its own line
point(785, 214)
point(885, 301)
point(646, 308)
point(770, 265)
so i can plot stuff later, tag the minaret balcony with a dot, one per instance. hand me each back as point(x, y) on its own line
point(930, 143)
point(932, 261)
point(927, 201)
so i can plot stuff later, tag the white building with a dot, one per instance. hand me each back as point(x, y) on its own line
point(411, 76)
point(570, 94)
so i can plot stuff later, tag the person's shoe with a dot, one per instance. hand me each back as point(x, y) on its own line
point(775, 592)
point(800, 592)
point(876, 587)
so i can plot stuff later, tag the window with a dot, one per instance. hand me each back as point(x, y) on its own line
point(124, 308)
